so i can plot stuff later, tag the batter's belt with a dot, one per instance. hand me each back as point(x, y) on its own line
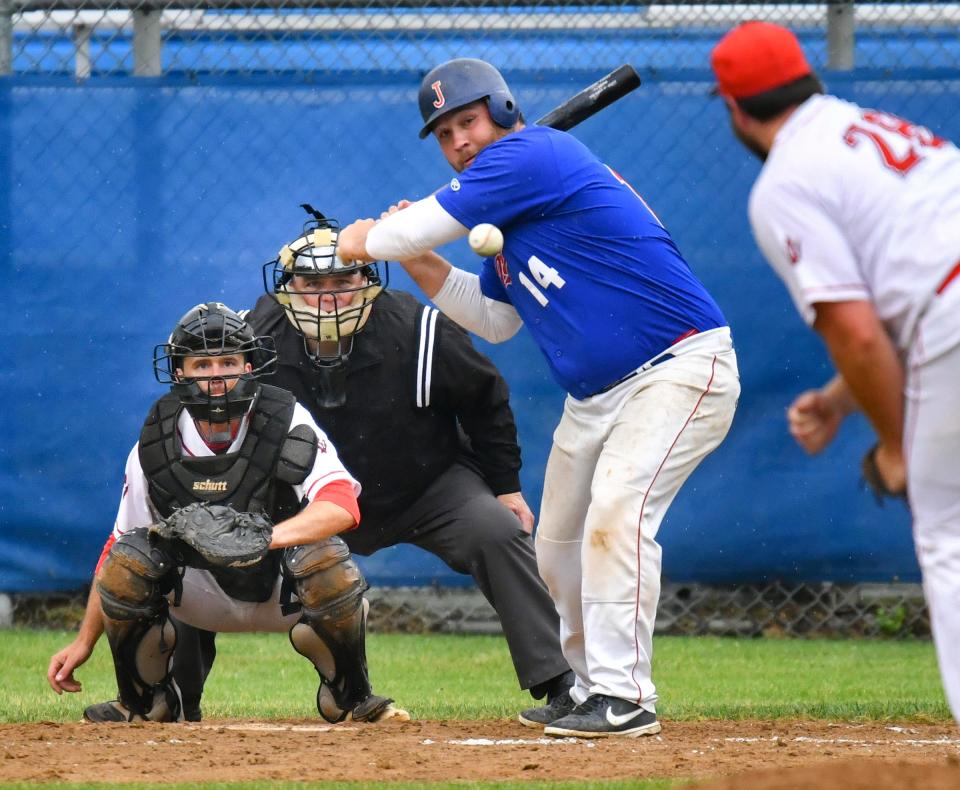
point(644, 367)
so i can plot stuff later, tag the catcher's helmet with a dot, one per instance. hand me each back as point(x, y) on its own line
point(212, 330)
point(459, 82)
point(310, 257)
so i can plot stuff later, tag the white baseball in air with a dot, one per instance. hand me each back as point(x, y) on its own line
point(485, 239)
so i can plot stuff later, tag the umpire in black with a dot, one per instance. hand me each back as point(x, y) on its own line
point(423, 421)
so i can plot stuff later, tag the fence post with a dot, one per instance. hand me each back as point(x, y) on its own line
point(840, 35)
point(6, 37)
point(147, 45)
point(81, 44)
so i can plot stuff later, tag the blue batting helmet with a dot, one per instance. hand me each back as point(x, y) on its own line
point(459, 82)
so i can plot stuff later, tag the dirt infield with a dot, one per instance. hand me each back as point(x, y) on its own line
point(750, 754)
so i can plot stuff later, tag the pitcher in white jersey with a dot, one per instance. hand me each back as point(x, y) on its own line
point(857, 211)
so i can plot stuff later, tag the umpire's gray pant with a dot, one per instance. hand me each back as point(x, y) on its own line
point(459, 520)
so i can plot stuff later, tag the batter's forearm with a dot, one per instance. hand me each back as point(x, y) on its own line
point(462, 299)
point(419, 228)
point(429, 271)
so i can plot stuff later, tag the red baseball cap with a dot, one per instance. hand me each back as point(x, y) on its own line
point(756, 57)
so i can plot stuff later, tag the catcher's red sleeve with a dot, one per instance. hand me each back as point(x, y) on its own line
point(103, 554)
point(340, 492)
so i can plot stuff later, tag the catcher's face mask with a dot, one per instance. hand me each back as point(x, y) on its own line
point(212, 361)
point(216, 376)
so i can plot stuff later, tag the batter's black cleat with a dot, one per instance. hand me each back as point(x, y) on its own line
point(604, 717)
point(560, 706)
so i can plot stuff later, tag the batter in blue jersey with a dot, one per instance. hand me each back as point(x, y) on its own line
point(578, 240)
point(629, 332)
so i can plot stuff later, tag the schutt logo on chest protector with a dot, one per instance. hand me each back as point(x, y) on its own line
point(210, 485)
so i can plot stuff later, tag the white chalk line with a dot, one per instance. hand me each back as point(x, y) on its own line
point(848, 741)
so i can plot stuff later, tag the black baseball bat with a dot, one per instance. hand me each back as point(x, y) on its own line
point(604, 92)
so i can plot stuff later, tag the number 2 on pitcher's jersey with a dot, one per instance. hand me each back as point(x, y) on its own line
point(887, 133)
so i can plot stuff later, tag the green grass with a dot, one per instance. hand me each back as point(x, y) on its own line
point(471, 677)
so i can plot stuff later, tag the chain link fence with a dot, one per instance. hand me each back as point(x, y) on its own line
point(887, 611)
point(133, 116)
point(243, 37)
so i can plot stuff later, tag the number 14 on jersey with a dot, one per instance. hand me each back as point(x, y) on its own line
point(546, 276)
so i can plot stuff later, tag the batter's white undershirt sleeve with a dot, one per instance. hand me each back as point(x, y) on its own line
point(461, 299)
point(418, 228)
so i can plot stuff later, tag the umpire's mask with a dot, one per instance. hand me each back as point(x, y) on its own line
point(327, 299)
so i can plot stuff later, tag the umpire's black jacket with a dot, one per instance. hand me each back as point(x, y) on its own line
point(412, 377)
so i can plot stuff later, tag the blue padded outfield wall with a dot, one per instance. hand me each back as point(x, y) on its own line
point(124, 201)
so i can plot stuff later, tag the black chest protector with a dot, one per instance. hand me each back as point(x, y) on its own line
point(257, 478)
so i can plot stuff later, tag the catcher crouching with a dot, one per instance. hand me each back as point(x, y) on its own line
point(230, 514)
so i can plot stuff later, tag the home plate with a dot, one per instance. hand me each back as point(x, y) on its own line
point(262, 727)
point(510, 741)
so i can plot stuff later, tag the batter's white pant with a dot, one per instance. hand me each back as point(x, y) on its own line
point(932, 447)
point(618, 460)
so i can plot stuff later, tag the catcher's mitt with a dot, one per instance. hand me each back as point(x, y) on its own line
point(874, 480)
point(220, 535)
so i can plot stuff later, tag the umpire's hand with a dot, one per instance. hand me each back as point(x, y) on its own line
point(516, 503)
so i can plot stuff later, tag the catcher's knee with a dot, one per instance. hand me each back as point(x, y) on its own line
point(131, 580)
point(325, 577)
point(330, 631)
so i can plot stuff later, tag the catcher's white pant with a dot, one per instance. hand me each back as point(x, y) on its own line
point(932, 446)
point(618, 460)
point(205, 605)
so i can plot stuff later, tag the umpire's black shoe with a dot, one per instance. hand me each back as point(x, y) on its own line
point(191, 708)
point(193, 714)
point(602, 717)
point(560, 706)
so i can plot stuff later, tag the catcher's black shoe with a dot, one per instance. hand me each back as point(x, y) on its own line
point(377, 709)
point(108, 712)
point(560, 706)
point(602, 717)
point(167, 708)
